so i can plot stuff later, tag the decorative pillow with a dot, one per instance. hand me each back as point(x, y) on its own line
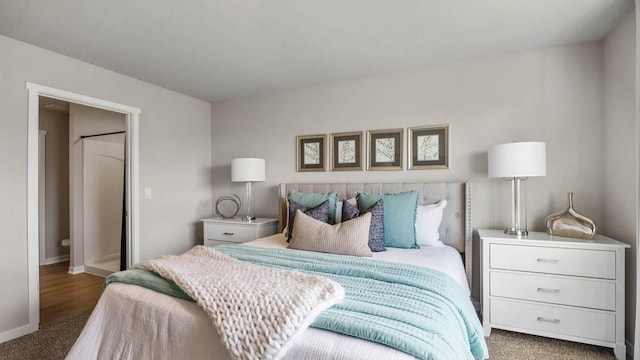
point(399, 217)
point(351, 201)
point(314, 199)
point(428, 219)
point(376, 230)
point(347, 238)
point(319, 212)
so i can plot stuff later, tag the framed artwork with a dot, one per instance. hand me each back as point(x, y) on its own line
point(346, 151)
point(384, 149)
point(428, 147)
point(310, 152)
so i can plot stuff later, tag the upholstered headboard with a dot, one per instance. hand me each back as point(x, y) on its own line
point(455, 229)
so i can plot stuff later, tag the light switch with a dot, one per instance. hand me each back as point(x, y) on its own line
point(147, 193)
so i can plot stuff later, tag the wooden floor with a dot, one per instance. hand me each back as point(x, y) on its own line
point(63, 294)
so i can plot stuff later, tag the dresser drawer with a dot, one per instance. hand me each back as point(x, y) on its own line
point(562, 290)
point(229, 233)
point(551, 260)
point(553, 320)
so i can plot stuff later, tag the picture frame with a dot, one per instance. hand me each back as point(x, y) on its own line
point(428, 147)
point(310, 152)
point(384, 149)
point(346, 151)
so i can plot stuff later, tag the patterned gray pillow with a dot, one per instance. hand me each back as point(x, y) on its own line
point(376, 229)
point(318, 212)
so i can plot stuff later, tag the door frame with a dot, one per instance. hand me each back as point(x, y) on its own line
point(132, 207)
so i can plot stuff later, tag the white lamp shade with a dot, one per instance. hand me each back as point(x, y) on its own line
point(247, 169)
point(518, 159)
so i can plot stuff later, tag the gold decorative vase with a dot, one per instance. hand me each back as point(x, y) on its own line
point(569, 223)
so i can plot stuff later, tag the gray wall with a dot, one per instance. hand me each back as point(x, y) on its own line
point(553, 95)
point(620, 162)
point(56, 124)
point(175, 160)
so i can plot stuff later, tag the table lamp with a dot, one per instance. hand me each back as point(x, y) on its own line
point(516, 162)
point(248, 170)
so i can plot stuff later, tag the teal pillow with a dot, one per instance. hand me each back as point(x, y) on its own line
point(399, 217)
point(310, 200)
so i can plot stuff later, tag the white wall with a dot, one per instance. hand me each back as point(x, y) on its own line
point(175, 161)
point(620, 151)
point(56, 124)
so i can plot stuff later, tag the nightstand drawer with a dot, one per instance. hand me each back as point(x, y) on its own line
point(562, 290)
point(563, 261)
point(229, 233)
point(553, 320)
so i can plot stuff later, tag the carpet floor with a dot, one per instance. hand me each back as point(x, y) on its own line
point(55, 339)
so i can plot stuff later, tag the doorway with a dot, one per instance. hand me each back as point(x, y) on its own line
point(131, 187)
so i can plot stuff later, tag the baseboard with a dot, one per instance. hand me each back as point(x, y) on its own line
point(629, 349)
point(104, 258)
point(74, 270)
point(56, 259)
point(96, 271)
point(18, 332)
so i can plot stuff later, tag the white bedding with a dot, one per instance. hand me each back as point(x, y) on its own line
point(132, 322)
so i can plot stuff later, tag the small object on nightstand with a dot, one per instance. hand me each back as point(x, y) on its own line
point(219, 231)
point(227, 206)
point(570, 224)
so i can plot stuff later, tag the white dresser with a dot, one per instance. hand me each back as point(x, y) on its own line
point(552, 286)
point(218, 231)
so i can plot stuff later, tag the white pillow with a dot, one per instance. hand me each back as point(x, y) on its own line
point(428, 219)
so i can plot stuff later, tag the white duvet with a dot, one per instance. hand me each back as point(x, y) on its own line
point(132, 322)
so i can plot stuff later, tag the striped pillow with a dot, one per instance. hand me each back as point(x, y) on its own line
point(346, 238)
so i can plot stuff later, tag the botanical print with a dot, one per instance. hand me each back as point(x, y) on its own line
point(312, 153)
point(385, 150)
point(347, 152)
point(428, 147)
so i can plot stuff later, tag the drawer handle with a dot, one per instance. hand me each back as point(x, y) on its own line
point(551, 261)
point(227, 233)
point(555, 321)
point(555, 291)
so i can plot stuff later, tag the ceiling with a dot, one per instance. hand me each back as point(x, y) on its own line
point(220, 49)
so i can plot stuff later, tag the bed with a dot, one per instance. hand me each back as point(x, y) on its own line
point(134, 322)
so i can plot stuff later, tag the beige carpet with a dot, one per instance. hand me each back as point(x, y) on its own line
point(55, 339)
point(506, 345)
point(52, 342)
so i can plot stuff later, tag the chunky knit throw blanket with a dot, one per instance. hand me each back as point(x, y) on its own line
point(258, 311)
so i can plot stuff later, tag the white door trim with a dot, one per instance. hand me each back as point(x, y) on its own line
point(41, 197)
point(132, 184)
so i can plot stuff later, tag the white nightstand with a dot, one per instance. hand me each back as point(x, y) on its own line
point(218, 231)
point(552, 286)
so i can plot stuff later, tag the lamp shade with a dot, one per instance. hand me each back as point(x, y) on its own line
point(247, 169)
point(518, 160)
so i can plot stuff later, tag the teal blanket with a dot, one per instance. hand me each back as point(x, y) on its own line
point(419, 311)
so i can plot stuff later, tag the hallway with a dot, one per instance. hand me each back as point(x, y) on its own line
point(63, 294)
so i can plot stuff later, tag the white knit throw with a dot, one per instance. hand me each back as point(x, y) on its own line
point(257, 310)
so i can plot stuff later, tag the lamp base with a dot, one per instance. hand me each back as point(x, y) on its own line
point(248, 218)
point(517, 232)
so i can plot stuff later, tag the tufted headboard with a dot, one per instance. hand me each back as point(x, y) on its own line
point(455, 229)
